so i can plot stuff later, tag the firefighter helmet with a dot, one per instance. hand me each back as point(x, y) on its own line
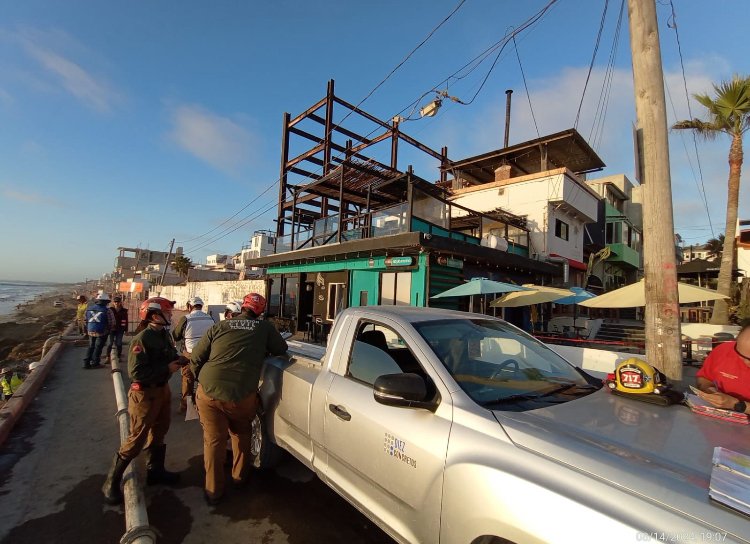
point(164, 305)
point(254, 302)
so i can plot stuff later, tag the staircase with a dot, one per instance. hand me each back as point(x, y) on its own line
point(626, 335)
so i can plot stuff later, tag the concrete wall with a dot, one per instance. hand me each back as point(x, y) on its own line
point(212, 292)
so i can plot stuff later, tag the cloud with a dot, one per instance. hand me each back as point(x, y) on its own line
point(216, 140)
point(31, 198)
point(55, 52)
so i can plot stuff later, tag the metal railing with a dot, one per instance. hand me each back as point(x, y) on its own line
point(137, 528)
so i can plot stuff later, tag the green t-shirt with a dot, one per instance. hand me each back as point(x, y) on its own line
point(229, 357)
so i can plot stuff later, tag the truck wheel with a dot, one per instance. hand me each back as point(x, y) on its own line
point(265, 453)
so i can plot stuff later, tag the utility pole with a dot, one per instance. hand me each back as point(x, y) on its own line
point(166, 262)
point(663, 347)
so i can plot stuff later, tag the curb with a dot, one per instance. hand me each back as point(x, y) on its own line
point(11, 413)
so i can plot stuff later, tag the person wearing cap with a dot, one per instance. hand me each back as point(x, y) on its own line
point(227, 363)
point(152, 359)
point(81, 313)
point(189, 329)
point(120, 313)
point(99, 322)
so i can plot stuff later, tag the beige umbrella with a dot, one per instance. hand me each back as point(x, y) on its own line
point(537, 294)
point(634, 295)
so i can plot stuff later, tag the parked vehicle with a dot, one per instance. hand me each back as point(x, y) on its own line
point(450, 427)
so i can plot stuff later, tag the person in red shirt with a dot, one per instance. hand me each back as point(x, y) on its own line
point(724, 378)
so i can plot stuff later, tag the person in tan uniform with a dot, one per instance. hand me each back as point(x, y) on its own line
point(227, 363)
point(152, 359)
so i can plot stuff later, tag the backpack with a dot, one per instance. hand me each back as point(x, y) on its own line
point(96, 319)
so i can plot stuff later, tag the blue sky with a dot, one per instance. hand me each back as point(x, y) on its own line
point(132, 123)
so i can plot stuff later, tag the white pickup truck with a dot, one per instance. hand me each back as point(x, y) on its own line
point(450, 427)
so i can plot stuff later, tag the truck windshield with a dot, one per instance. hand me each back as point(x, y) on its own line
point(500, 367)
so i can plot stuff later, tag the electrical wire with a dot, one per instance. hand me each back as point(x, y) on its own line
point(672, 23)
point(593, 58)
point(337, 125)
point(525, 86)
point(597, 126)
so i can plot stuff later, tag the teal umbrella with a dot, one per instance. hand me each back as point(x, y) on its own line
point(578, 296)
point(479, 286)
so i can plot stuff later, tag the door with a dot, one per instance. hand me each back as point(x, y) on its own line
point(387, 460)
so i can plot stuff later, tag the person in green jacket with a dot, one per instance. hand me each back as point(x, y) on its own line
point(227, 363)
point(152, 360)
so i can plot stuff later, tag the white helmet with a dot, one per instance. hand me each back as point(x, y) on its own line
point(33, 365)
point(102, 297)
point(195, 301)
point(234, 306)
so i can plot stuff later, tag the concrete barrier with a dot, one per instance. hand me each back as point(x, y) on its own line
point(27, 391)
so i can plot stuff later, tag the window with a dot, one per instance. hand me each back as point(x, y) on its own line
point(395, 288)
point(335, 300)
point(379, 350)
point(561, 229)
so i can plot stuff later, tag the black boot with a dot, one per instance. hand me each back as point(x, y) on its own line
point(155, 471)
point(111, 488)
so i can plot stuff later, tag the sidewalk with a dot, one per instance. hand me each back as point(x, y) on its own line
point(54, 463)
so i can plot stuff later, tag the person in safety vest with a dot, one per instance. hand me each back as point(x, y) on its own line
point(227, 363)
point(83, 303)
point(99, 322)
point(9, 382)
point(152, 359)
point(189, 329)
point(120, 313)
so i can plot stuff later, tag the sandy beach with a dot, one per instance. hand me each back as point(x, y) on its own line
point(22, 334)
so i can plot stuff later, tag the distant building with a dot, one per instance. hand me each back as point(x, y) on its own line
point(616, 258)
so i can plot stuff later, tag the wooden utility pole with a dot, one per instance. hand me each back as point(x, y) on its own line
point(663, 346)
point(166, 262)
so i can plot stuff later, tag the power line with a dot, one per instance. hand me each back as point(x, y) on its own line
point(406, 58)
point(525, 86)
point(593, 58)
point(672, 23)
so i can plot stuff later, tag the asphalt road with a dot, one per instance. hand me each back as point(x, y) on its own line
point(54, 464)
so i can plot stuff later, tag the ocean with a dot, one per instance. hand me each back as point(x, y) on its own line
point(13, 293)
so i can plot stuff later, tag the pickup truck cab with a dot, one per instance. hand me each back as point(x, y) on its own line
point(451, 427)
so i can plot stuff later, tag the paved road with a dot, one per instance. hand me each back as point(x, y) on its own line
point(53, 466)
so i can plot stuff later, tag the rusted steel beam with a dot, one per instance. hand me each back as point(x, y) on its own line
point(307, 112)
point(282, 176)
point(341, 130)
point(329, 123)
point(305, 173)
point(376, 139)
point(307, 154)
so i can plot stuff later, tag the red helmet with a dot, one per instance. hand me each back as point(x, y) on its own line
point(254, 302)
point(165, 305)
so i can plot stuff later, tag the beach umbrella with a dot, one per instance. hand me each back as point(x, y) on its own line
point(634, 295)
point(479, 286)
point(578, 296)
point(533, 294)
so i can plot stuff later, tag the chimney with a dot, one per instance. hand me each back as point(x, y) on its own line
point(503, 173)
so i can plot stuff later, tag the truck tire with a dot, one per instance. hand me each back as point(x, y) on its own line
point(265, 453)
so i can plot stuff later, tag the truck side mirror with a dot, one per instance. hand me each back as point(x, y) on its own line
point(406, 390)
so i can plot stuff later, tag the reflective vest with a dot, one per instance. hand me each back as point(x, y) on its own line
point(12, 385)
point(197, 323)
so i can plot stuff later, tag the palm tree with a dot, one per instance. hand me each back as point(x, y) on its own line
point(714, 247)
point(182, 264)
point(728, 113)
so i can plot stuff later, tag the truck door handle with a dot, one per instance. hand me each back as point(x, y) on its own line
point(340, 412)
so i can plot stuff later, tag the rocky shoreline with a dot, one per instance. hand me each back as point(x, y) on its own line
point(23, 333)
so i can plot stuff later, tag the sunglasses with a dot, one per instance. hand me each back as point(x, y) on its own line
point(738, 352)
